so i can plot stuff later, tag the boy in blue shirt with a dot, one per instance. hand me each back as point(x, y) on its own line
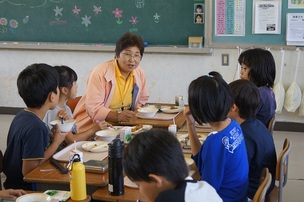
point(155, 162)
point(259, 141)
point(222, 159)
point(28, 137)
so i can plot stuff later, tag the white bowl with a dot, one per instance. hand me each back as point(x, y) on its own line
point(147, 112)
point(33, 197)
point(107, 135)
point(64, 127)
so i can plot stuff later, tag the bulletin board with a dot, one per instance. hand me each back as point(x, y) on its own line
point(159, 22)
point(249, 37)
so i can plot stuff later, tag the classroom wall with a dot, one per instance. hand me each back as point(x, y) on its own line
point(168, 74)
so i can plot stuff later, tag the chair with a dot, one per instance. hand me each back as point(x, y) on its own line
point(1, 168)
point(281, 173)
point(271, 124)
point(73, 102)
point(265, 181)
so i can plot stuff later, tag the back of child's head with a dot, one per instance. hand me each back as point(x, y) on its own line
point(246, 97)
point(262, 66)
point(36, 82)
point(155, 152)
point(210, 99)
point(67, 76)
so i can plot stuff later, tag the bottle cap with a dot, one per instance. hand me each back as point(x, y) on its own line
point(115, 148)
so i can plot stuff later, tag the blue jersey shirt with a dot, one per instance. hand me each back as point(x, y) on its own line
point(223, 163)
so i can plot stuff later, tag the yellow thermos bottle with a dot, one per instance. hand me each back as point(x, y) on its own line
point(77, 179)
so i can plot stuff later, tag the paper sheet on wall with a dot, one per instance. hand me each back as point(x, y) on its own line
point(295, 29)
point(230, 17)
point(266, 17)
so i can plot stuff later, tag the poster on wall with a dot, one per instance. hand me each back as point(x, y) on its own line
point(230, 17)
point(266, 17)
point(295, 29)
point(295, 4)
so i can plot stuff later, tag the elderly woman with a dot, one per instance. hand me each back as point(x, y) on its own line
point(114, 88)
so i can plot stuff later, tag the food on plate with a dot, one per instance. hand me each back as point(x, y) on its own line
point(136, 128)
point(95, 146)
point(173, 107)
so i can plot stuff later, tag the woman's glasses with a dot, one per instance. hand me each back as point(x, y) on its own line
point(129, 56)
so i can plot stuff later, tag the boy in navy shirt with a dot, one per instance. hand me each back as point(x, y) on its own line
point(28, 137)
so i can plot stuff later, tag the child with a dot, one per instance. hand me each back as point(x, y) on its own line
point(68, 90)
point(258, 66)
point(198, 18)
point(222, 159)
point(155, 162)
point(28, 137)
point(259, 141)
point(199, 9)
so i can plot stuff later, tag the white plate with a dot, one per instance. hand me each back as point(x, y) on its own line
point(169, 110)
point(95, 146)
point(143, 128)
point(129, 183)
point(33, 197)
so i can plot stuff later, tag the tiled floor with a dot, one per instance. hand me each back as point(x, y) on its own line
point(292, 191)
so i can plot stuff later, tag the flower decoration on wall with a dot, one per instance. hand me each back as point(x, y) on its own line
point(58, 12)
point(13, 24)
point(156, 18)
point(76, 10)
point(86, 21)
point(118, 14)
point(133, 21)
point(3, 23)
point(97, 9)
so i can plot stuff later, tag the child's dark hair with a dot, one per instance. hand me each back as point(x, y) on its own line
point(155, 152)
point(215, 74)
point(36, 82)
point(129, 40)
point(210, 99)
point(246, 97)
point(262, 66)
point(199, 6)
point(67, 76)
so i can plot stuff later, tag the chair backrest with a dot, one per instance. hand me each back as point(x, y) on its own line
point(1, 168)
point(282, 167)
point(73, 102)
point(271, 124)
point(265, 181)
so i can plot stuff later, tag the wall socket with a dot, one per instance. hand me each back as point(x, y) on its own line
point(225, 59)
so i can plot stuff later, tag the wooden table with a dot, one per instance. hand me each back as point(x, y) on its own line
point(46, 176)
point(179, 121)
point(130, 195)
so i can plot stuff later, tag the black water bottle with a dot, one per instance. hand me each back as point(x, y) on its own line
point(116, 179)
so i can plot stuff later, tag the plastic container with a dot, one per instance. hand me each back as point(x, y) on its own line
point(116, 179)
point(77, 179)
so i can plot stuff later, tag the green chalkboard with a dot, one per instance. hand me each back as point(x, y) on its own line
point(249, 38)
point(159, 22)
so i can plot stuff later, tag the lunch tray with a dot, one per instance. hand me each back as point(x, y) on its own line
point(64, 154)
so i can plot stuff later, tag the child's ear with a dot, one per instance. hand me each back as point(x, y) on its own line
point(64, 90)
point(159, 180)
point(234, 108)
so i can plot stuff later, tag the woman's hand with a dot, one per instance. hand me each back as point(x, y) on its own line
point(103, 124)
point(126, 115)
